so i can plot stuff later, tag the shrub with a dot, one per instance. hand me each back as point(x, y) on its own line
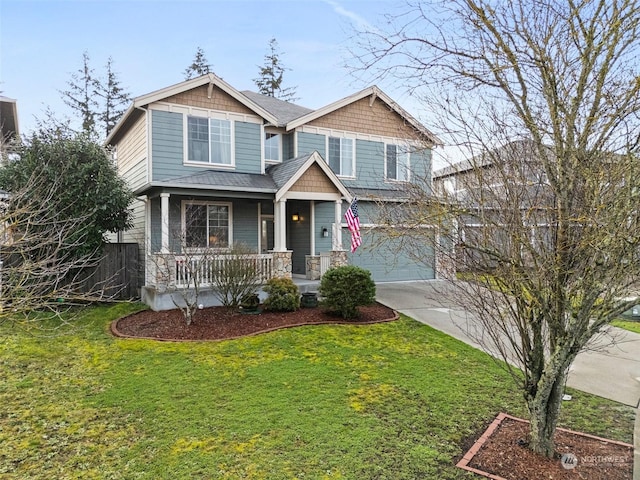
point(250, 302)
point(236, 276)
point(283, 295)
point(347, 287)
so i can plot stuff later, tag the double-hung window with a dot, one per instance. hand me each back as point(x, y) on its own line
point(272, 147)
point(340, 155)
point(397, 163)
point(206, 225)
point(209, 140)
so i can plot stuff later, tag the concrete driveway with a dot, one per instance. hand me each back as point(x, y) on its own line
point(609, 371)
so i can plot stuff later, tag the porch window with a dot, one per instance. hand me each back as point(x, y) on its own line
point(397, 163)
point(341, 156)
point(206, 225)
point(209, 140)
point(272, 142)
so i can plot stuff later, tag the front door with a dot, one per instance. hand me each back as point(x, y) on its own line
point(266, 233)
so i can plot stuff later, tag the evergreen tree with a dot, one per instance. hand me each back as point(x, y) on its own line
point(271, 76)
point(94, 99)
point(114, 98)
point(198, 67)
point(80, 95)
point(76, 183)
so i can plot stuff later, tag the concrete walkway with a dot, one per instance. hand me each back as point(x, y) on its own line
point(610, 371)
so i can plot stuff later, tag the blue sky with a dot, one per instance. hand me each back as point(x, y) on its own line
point(153, 41)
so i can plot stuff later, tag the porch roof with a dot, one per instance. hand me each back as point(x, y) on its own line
point(217, 180)
point(276, 180)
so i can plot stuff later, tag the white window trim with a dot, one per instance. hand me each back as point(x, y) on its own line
point(408, 153)
point(353, 153)
point(185, 136)
point(280, 145)
point(183, 220)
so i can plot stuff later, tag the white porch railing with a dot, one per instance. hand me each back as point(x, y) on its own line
point(325, 262)
point(207, 269)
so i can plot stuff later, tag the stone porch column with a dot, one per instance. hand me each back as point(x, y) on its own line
point(282, 264)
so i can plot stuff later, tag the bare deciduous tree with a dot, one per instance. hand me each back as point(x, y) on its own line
point(543, 98)
point(41, 270)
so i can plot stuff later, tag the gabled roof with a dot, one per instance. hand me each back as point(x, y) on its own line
point(274, 111)
point(287, 173)
point(373, 92)
point(209, 79)
point(283, 111)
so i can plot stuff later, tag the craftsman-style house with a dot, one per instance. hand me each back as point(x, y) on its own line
point(212, 166)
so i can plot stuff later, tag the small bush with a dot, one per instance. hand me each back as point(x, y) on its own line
point(283, 295)
point(250, 301)
point(347, 287)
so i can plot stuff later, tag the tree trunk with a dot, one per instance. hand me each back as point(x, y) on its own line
point(544, 410)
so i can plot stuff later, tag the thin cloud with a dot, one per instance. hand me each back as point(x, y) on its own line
point(360, 22)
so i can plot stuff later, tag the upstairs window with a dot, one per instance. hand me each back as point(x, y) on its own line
point(209, 140)
point(272, 147)
point(397, 163)
point(340, 156)
point(206, 225)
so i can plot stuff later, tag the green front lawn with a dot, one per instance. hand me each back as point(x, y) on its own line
point(627, 325)
point(388, 401)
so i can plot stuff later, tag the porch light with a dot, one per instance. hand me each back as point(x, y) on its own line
point(325, 232)
point(295, 217)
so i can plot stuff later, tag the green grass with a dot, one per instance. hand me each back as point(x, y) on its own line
point(627, 325)
point(388, 401)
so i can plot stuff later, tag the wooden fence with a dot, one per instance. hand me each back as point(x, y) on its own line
point(117, 274)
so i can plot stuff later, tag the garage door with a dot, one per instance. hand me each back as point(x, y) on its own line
point(385, 260)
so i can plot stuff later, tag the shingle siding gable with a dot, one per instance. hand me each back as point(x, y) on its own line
point(314, 180)
point(377, 119)
point(220, 100)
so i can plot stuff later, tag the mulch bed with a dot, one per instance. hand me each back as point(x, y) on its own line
point(221, 323)
point(501, 453)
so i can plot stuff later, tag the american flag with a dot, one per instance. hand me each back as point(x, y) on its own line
point(353, 222)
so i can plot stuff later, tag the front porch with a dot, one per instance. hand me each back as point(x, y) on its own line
point(175, 271)
point(288, 222)
point(172, 274)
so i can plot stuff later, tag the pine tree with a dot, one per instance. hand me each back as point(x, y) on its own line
point(115, 98)
point(271, 76)
point(81, 95)
point(96, 99)
point(198, 67)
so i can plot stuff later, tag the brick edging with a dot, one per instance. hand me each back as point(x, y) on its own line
point(475, 448)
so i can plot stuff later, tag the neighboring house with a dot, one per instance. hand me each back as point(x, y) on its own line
point(8, 118)
point(514, 164)
point(501, 190)
point(9, 130)
point(237, 166)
